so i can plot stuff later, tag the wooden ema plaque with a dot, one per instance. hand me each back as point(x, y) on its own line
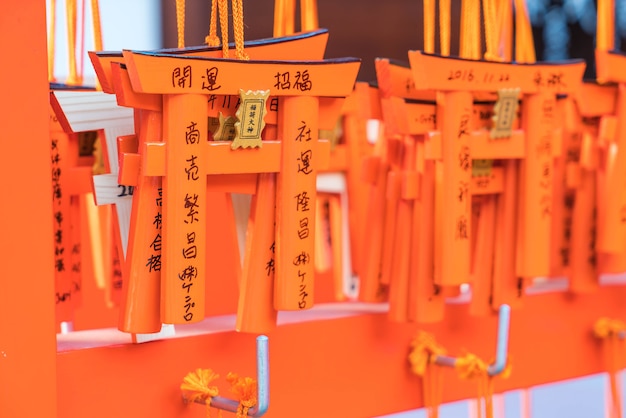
point(143, 289)
point(579, 172)
point(539, 84)
point(80, 113)
point(139, 308)
point(294, 83)
point(66, 175)
point(92, 111)
point(416, 121)
point(406, 259)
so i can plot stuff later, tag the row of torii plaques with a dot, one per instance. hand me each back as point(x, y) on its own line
point(458, 199)
point(305, 95)
point(448, 204)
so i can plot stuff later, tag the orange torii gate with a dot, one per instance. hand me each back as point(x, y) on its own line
point(405, 185)
point(457, 82)
point(292, 227)
point(148, 108)
point(539, 84)
point(588, 131)
point(80, 111)
point(409, 190)
point(410, 122)
point(141, 308)
point(70, 182)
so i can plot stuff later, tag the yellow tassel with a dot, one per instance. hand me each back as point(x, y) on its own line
point(244, 389)
point(196, 387)
point(424, 351)
point(472, 367)
point(608, 330)
point(607, 327)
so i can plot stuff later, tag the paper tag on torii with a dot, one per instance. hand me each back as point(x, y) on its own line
point(250, 119)
point(505, 112)
point(481, 168)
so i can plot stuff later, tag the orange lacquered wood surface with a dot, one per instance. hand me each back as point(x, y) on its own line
point(362, 356)
point(26, 245)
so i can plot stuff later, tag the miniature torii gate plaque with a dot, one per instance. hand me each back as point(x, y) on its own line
point(540, 83)
point(143, 167)
point(91, 111)
point(417, 121)
point(590, 126)
point(143, 267)
point(69, 181)
point(185, 83)
point(94, 111)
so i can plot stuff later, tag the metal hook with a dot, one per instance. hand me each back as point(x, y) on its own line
point(502, 345)
point(263, 384)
